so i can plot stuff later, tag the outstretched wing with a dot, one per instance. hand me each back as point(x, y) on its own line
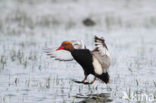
point(78, 44)
point(101, 53)
point(101, 46)
point(61, 55)
point(64, 55)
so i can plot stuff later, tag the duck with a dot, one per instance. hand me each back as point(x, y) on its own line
point(95, 62)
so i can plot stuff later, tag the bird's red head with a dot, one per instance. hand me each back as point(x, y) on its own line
point(66, 45)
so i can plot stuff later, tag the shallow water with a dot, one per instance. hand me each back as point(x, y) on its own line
point(28, 75)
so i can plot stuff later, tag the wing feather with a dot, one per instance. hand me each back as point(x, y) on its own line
point(101, 53)
point(61, 55)
point(101, 46)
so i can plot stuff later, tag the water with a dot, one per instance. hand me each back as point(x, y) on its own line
point(27, 75)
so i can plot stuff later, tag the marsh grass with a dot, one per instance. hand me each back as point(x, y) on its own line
point(3, 62)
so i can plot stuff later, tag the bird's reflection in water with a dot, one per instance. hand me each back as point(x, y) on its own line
point(95, 98)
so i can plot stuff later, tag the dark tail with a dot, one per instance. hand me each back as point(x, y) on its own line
point(104, 77)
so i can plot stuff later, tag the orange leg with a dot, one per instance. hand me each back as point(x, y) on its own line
point(93, 80)
point(85, 78)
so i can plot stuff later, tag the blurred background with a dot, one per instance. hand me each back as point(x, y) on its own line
point(29, 26)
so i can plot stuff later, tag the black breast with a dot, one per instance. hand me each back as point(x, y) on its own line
point(84, 58)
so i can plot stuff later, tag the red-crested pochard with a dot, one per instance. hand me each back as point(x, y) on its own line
point(95, 62)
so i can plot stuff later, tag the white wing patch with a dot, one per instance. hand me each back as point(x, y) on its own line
point(61, 55)
point(78, 44)
point(97, 66)
point(101, 46)
point(102, 50)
